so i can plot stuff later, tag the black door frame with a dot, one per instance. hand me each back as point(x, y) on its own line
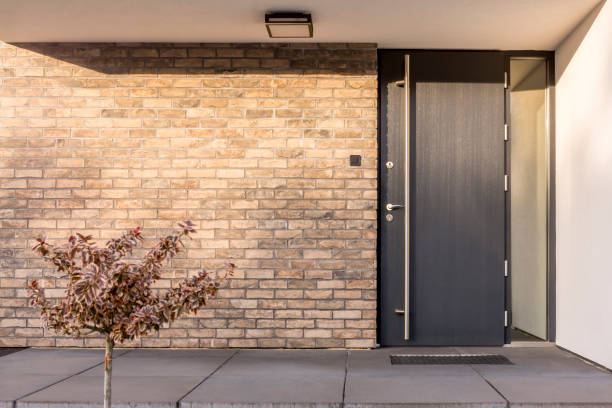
point(397, 56)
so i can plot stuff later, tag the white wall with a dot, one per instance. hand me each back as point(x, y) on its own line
point(584, 188)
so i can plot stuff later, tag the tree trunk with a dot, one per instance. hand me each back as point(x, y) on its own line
point(108, 371)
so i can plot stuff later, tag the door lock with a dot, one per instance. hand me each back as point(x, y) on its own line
point(391, 207)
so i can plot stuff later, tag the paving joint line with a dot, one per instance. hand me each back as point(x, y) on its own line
point(485, 380)
point(491, 385)
point(178, 402)
point(64, 379)
point(458, 350)
point(346, 359)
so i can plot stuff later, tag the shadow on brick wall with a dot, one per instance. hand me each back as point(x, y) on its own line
point(214, 59)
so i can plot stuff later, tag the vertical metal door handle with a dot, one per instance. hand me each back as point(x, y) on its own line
point(407, 197)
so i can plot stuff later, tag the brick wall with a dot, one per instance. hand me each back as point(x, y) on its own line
point(251, 142)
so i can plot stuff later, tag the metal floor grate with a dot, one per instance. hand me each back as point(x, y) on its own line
point(449, 359)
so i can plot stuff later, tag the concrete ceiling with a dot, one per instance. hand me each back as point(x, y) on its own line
point(468, 24)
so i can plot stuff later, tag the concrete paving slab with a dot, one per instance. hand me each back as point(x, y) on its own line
point(165, 363)
point(278, 377)
point(31, 370)
point(551, 362)
point(464, 390)
point(265, 390)
point(144, 376)
point(87, 391)
point(161, 378)
point(49, 361)
point(542, 391)
point(283, 363)
point(5, 351)
point(13, 387)
point(376, 363)
point(373, 380)
point(549, 376)
point(546, 353)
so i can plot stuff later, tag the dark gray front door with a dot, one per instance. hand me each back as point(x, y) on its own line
point(453, 285)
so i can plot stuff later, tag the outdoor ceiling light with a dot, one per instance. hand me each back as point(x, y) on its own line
point(289, 25)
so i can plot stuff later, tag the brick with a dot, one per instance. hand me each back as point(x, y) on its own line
point(257, 159)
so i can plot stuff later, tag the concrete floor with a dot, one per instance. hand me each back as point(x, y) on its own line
point(158, 378)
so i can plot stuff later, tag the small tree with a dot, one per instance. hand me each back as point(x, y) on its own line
point(114, 297)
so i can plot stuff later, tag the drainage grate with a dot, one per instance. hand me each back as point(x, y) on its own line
point(449, 359)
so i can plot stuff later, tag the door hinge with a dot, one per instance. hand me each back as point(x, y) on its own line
point(506, 131)
point(506, 182)
point(505, 80)
point(505, 318)
point(505, 267)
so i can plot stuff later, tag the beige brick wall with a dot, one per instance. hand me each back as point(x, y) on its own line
point(249, 141)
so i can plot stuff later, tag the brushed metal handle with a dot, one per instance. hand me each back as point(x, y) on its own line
point(407, 197)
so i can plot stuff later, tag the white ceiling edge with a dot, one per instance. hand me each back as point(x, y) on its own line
point(435, 24)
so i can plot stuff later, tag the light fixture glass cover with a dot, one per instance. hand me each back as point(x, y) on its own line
point(289, 25)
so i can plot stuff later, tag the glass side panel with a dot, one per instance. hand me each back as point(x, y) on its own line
point(529, 194)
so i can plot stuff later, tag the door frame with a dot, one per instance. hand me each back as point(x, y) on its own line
point(397, 56)
point(549, 57)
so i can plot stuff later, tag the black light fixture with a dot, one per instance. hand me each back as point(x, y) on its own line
point(289, 25)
